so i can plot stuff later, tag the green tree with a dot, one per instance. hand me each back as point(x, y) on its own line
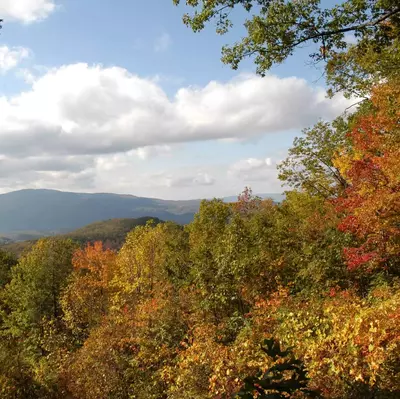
point(309, 245)
point(36, 283)
point(30, 307)
point(7, 261)
point(309, 166)
point(231, 250)
point(140, 268)
point(16, 376)
point(277, 28)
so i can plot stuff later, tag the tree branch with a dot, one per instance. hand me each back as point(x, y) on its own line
point(356, 103)
point(350, 28)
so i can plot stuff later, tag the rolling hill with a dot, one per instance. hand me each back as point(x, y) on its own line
point(111, 232)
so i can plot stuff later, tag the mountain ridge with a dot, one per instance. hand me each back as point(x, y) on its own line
point(38, 212)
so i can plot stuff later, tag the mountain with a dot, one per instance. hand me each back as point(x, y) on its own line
point(111, 232)
point(46, 212)
point(30, 214)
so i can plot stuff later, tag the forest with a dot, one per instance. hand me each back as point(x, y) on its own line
point(252, 299)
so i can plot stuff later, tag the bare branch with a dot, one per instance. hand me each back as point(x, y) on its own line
point(356, 103)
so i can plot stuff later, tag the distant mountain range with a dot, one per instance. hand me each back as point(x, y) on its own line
point(28, 214)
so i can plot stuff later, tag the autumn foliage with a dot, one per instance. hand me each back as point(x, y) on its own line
point(371, 203)
point(182, 312)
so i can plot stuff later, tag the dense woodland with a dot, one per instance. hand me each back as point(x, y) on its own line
point(252, 299)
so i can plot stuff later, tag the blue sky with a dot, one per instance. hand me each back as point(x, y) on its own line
point(120, 96)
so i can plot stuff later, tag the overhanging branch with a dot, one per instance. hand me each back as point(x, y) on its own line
point(350, 28)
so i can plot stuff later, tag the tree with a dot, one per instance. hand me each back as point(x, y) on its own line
point(308, 245)
point(371, 204)
point(344, 340)
point(309, 165)
point(277, 28)
point(132, 339)
point(36, 284)
point(232, 259)
point(287, 378)
point(16, 377)
point(85, 299)
point(141, 265)
point(7, 261)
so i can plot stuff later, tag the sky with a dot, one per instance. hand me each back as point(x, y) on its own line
point(120, 96)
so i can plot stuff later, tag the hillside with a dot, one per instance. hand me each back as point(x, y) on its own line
point(48, 212)
point(111, 232)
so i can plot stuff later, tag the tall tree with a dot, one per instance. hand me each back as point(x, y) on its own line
point(277, 28)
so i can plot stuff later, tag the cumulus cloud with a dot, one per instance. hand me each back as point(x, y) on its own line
point(107, 121)
point(160, 180)
point(45, 164)
point(26, 11)
point(253, 169)
point(49, 172)
point(26, 75)
point(77, 109)
point(162, 43)
point(250, 164)
point(153, 151)
point(11, 57)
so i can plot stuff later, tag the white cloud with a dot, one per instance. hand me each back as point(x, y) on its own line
point(253, 169)
point(48, 172)
point(250, 164)
point(26, 75)
point(11, 57)
point(168, 79)
point(77, 109)
point(153, 151)
point(199, 179)
point(162, 43)
point(124, 173)
point(107, 121)
point(26, 11)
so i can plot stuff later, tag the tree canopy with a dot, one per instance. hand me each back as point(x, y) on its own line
point(358, 40)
